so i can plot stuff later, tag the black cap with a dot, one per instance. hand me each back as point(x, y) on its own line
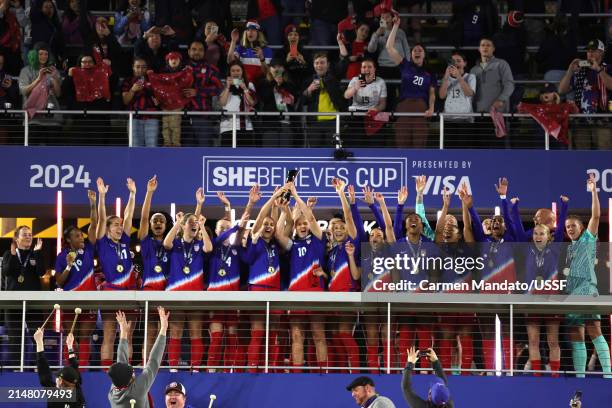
point(596, 44)
point(548, 88)
point(359, 381)
point(69, 374)
point(175, 386)
point(121, 374)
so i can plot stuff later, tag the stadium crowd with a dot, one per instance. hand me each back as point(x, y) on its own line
point(190, 58)
point(286, 249)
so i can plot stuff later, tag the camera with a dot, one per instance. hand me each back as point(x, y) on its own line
point(362, 78)
point(584, 64)
point(423, 353)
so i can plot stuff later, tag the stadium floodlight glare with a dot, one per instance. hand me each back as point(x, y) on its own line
point(498, 347)
point(173, 211)
point(497, 210)
point(554, 210)
point(118, 207)
point(59, 222)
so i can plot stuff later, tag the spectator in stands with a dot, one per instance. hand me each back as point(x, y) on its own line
point(534, 26)
point(417, 93)
point(10, 38)
point(154, 45)
point(457, 89)
point(252, 52)
point(178, 15)
point(297, 59)
point(103, 45)
point(238, 96)
point(511, 46)
point(68, 378)
point(325, 16)
point(388, 67)
point(369, 94)
point(40, 87)
point(216, 45)
point(471, 21)
point(413, 7)
point(46, 26)
point(131, 21)
point(322, 93)
point(9, 90)
point(352, 58)
point(268, 14)
point(557, 49)
point(590, 83)
point(137, 97)
point(278, 94)
point(206, 85)
point(171, 124)
point(218, 11)
point(22, 267)
point(494, 86)
point(73, 23)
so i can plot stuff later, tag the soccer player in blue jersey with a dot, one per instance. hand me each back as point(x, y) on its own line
point(581, 280)
point(74, 268)
point(113, 248)
point(307, 252)
point(186, 274)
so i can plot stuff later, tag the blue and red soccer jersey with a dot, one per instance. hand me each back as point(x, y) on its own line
point(339, 270)
point(307, 255)
point(264, 265)
point(186, 266)
point(116, 263)
point(156, 264)
point(82, 271)
point(224, 263)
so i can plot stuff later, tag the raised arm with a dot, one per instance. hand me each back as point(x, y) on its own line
point(419, 207)
point(265, 210)
point(208, 246)
point(44, 371)
point(124, 330)
point(363, 237)
point(517, 223)
point(466, 203)
point(234, 37)
point(128, 215)
point(390, 46)
point(145, 380)
point(200, 198)
point(388, 225)
point(339, 185)
point(280, 232)
point(102, 190)
point(350, 251)
point(446, 198)
point(502, 189)
point(93, 217)
point(169, 239)
point(593, 226)
point(341, 46)
point(143, 231)
point(411, 397)
point(227, 206)
point(402, 196)
point(559, 235)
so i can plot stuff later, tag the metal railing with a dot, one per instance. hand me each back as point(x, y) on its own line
point(290, 129)
point(398, 320)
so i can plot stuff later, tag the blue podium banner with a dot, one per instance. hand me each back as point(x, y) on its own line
point(32, 175)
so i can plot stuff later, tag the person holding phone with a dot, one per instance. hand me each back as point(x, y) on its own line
point(237, 96)
point(40, 86)
point(438, 395)
point(388, 66)
point(296, 58)
point(252, 51)
point(369, 94)
point(216, 45)
point(457, 89)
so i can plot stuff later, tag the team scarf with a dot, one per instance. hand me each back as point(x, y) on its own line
point(553, 118)
point(91, 84)
point(168, 87)
point(498, 122)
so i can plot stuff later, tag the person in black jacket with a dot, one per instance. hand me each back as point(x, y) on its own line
point(322, 93)
point(22, 267)
point(439, 395)
point(68, 378)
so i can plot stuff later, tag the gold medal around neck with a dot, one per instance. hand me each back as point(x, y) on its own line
point(271, 269)
point(186, 270)
point(157, 268)
point(566, 271)
point(221, 272)
point(119, 268)
point(20, 278)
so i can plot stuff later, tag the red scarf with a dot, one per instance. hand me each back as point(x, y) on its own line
point(168, 87)
point(374, 121)
point(91, 84)
point(553, 118)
